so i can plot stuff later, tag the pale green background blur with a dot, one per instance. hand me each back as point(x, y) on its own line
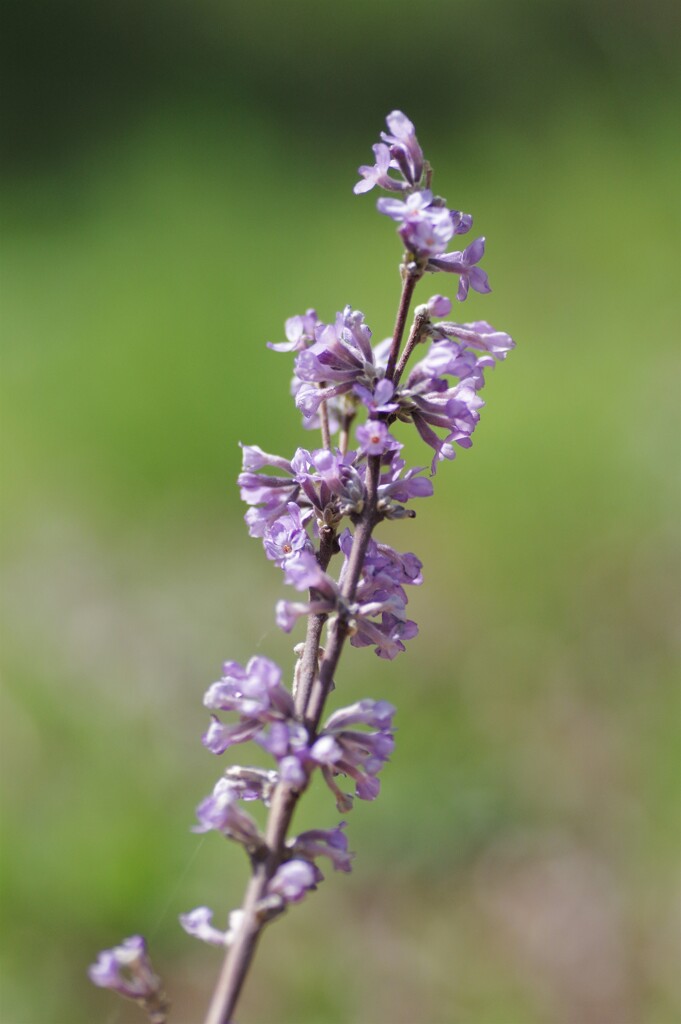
point(178, 181)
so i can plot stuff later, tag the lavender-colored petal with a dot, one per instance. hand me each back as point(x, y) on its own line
point(474, 252)
point(220, 812)
point(293, 879)
point(375, 439)
point(331, 843)
point(439, 305)
point(478, 280)
point(255, 458)
point(127, 969)
point(462, 223)
point(197, 923)
point(462, 292)
point(325, 750)
point(377, 714)
point(219, 737)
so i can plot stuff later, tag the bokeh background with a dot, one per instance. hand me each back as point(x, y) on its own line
point(177, 181)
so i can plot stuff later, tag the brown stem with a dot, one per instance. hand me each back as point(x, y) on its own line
point(309, 662)
point(339, 632)
point(238, 960)
point(408, 284)
point(324, 425)
point(415, 335)
point(344, 436)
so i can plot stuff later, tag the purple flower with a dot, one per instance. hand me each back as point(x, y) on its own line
point(285, 739)
point(219, 737)
point(127, 969)
point(254, 691)
point(220, 812)
point(340, 357)
point(197, 922)
point(257, 695)
point(378, 400)
point(450, 359)
point(439, 305)
point(464, 264)
point(269, 496)
point(462, 223)
point(378, 173)
point(299, 331)
point(362, 754)
point(293, 879)
point(321, 482)
point(376, 714)
point(387, 636)
point(429, 402)
point(395, 489)
point(404, 147)
point(331, 481)
point(377, 615)
point(304, 572)
point(479, 335)
point(375, 438)
point(286, 536)
point(426, 228)
point(251, 783)
point(399, 151)
point(331, 843)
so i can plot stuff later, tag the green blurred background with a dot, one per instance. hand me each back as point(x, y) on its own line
point(177, 181)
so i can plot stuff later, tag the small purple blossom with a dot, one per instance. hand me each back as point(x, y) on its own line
point(254, 690)
point(429, 401)
point(438, 305)
point(197, 922)
point(396, 488)
point(404, 147)
point(425, 227)
point(304, 572)
point(375, 438)
point(252, 783)
point(127, 969)
point(340, 357)
point(299, 332)
point(399, 151)
point(293, 879)
point(363, 754)
point(331, 843)
point(462, 223)
point(479, 334)
point(377, 174)
point(377, 401)
point(269, 496)
point(220, 812)
point(465, 264)
point(286, 536)
point(284, 740)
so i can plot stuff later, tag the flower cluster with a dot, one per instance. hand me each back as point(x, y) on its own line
point(323, 504)
point(127, 969)
point(425, 224)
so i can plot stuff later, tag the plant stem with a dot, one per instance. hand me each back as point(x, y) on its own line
point(415, 335)
point(324, 423)
point(408, 284)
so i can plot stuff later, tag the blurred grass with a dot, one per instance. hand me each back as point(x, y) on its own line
point(538, 733)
